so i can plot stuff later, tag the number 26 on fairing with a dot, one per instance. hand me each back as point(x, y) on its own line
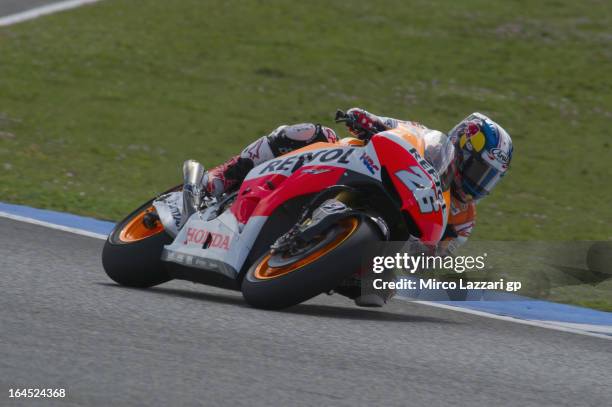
point(422, 187)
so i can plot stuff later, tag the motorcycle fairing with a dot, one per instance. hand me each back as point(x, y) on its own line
point(304, 171)
point(415, 180)
point(222, 244)
point(169, 209)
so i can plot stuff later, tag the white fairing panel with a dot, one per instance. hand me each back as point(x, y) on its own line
point(217, 245)
point(169, 209)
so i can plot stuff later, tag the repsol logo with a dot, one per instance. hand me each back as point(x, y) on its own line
point(207, 239)
point(335, 155)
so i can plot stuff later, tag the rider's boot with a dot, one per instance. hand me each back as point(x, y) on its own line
point(197, 182)
point(374, 299)
point(371, 300)
point(193, 174)
point(357, 287)
point(225, 177)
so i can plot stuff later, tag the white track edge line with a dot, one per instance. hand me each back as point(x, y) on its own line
point(546, 325)
point(539, 324)
point(52, 225)
point(42, 11)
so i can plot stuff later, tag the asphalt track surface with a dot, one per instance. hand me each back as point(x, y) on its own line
point(63, 323)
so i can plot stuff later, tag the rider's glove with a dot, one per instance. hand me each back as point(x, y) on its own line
point(363, 124)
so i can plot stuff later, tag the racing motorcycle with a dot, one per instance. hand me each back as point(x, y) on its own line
point(297, 225)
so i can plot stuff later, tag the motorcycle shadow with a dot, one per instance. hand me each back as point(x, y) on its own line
point(358, 314)
point(314, 310)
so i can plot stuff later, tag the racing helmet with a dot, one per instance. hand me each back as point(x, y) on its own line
point(484, 151)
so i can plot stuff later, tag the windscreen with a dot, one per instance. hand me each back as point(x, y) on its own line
point(440, 152)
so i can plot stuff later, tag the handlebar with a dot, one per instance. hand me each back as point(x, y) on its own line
point(342, 117)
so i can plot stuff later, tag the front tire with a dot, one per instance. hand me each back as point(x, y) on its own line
point(270, 284)
point(132, 253)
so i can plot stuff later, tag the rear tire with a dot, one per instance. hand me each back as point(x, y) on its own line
point(313, 278)
point(133, 260)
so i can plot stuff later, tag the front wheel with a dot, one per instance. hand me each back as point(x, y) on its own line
point(278, 281)
point(132, 253)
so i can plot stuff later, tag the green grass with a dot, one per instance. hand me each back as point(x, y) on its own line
point(99, 106)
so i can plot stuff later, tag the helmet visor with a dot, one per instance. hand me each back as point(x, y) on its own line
point(478, 177)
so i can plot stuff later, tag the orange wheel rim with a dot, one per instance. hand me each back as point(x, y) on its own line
point(265, 272)
point(136, 230)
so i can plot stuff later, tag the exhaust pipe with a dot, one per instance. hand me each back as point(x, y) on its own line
point(193, 172)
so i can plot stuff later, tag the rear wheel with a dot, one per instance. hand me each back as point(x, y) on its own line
point(132, 253)
point(278, 281)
